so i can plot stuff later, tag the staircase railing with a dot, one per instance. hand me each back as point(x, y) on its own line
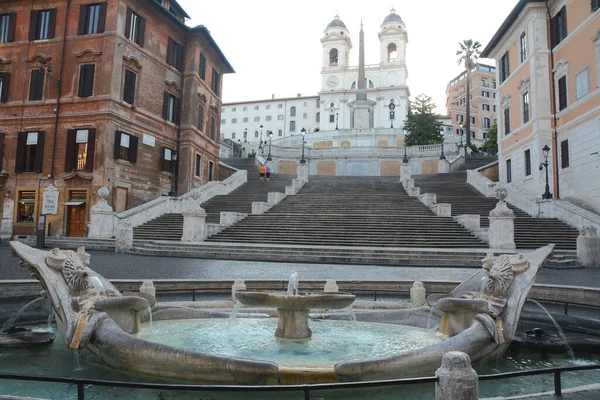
point(538, 208)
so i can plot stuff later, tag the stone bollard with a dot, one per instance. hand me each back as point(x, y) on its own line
point(148, 288)
point(417, 294)
point(124, 239)
point(588, 248)
point(238, 285)
point(429, 199)
point(331, 286)
point(443, 166)
point(443, 210)
point(405, 172)
point(502, 224)
point(302, 171)
point(102, 217)
point(275, 197)
point(194, 219)
point(456, 379)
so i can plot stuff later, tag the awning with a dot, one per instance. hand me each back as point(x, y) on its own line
point(73, 203)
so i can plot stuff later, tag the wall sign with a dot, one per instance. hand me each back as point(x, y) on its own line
point(50, 200)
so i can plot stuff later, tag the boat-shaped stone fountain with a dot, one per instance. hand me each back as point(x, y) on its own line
point(479, 318)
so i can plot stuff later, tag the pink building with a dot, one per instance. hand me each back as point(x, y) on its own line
point(548, 72)
point(483, 93)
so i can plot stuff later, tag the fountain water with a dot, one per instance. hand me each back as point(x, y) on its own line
point(10, 323)
point(292, 289)
point(233, 314)
point(558, 328)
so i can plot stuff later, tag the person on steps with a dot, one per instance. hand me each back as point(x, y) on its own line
point(262, 171)
point(268, 173)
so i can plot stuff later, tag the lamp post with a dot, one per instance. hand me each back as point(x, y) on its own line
point(174, 156)
point(270, 134)
point(260, 145)
point(245, 135)
point(442, 156)
point(461, 134)
point(546, 194)
point(239, 148)
point(392, 107)
point(337, 118)
point(405, 158)
point(302, 160)
point(46, 70)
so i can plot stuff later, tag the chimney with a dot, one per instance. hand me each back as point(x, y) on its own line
point(273, 96)
point(299, 95)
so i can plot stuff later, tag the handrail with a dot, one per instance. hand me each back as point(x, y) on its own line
point(306, 388)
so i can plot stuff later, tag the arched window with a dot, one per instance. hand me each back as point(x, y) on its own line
point(392, 52)
point(280, 133)
point(333, 57)
point(292, 111)
point(233, 135)
point(369, 83)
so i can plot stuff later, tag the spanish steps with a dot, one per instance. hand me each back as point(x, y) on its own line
point(530, 232)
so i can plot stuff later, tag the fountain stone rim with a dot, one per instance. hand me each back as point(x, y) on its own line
point(308, 301)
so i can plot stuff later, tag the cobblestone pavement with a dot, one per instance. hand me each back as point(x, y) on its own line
point(130, 266)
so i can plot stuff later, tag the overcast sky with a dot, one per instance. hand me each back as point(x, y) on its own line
point(275, 48)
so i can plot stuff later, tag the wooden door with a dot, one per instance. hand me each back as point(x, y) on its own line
point(76, 221)
point(121, 200)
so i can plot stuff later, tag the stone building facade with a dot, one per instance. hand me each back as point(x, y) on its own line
point(483, 108)
point(548, 72)
point(135, 85)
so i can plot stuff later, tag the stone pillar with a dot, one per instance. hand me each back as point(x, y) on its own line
point(260, 207)
point(456, 378)
point(148, 288)
point(443, 210)
point(429, 199)
point(588, 248)
point(417, 294)
point(302, 171)
point(443, 166)
point(405, 172)
point(194, 220)
point(469, 221)
point(502, 224)
point(331, 286)
point(124, 240)
point(238, 285)
point(275, 197)
point(102, 217)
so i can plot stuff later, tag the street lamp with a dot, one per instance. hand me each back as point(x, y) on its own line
point(405, 158)
point(42, 65)
point(392, 107)
point(270, 134)
point(302, 160)
point(461, 135)
point(442, 157)
point(337, 117)
point(260, 145)
point(546, 194)
point(174, 155)
point(245, 135)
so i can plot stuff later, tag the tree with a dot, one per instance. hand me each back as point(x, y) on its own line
point(469, 50)
point(491, 142)
point(421, 123)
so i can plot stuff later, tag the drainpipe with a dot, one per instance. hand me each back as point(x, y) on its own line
point(555, 179)
point(58, 92)
point(176, 177)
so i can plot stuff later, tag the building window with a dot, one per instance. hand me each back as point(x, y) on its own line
point(494, 108)
point(504, 67)
point(562, 93)
point(198, 166)
point(486, 122)
point(268, 107)
point(171, 106)
point(582, 84)
point(129, 87)
point(26, 207)
point(333, 57)
point(233, 135)
point(485, 93)
point(459, 118)
point(558, 27)
point(41, 24)
point(256, 107)
point(245, 119)
point(135, 27)
point(92, 18)
point(175, 55)
point(507, 121)
point(36, 84)
point(494, 84)
point(523, 49)
point(203, 67)
point(280, 118)
point(126, 147)
point(216, 82)
point(331, 118)
point(318, 119)
point(305, 116)
point(4, 78)
point(564, 154)
point(233, 109)
point(268, 118)
point(256, 134)
point(245, 108)
point(80, 150)
point(167, 162)
point(485, 107)
point(595, 5)
point(280, 105)
point(213, 127)
point(7, 27)
point(292, 126)
point(30, 150)
point(280, 133)
point(234, 120)
point(256, 119)
point(211, 167)
point(223, 120)
point(508, 171)
point(525, 100)
point(86, 80)
point(201, 118)
point(473, 120)
point(292, 111)
point(527, 162)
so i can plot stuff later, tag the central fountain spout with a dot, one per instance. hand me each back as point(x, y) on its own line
point(293, 308)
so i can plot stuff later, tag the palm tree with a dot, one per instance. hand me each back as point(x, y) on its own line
point(469, 53)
